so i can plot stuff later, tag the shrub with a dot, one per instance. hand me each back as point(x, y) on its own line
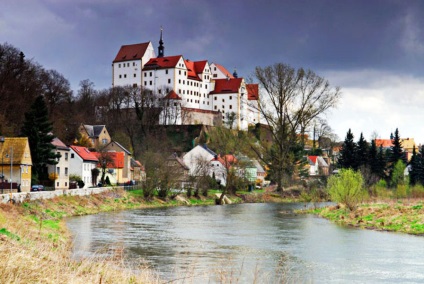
point(397, 174)
point(347, 188)
point(417, 191)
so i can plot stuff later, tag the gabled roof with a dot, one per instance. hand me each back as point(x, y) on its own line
point(162, 62)
point(224, 86)
point(179, 160)
point(313, 159)
point(94, 131)
point(252, 92)
point(119, 145)
point(385, 143)
point(84, 153)
point(224, 70)
point(59, 144)
point(131, 52)
point(195, 68)
point(19, 145)
point(172, 96)
point(117, 159)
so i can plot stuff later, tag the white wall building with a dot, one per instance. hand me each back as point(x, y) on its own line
point(201, 92)
point(61, 169)
point(200, 157)
point(81, 162)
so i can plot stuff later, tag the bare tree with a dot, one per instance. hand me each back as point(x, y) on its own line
point(292, 99)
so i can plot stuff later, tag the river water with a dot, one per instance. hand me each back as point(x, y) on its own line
point(246, 243)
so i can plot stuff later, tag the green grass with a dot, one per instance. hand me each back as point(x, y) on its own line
point(5, 232)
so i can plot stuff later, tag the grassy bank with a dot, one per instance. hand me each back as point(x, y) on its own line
point(406, 216)
point(35, 246)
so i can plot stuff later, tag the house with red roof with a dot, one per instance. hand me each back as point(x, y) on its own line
point(190, 92)
point(317, 166)
point(81, 163)
point(114, 146)
point(114, 162)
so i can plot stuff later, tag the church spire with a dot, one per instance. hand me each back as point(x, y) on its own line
point(161, 48)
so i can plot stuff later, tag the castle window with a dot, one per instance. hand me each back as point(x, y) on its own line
point(166, 71)
point(135, 75)
point(150, 83)
point(150, 74)
point(179, 72)
point(169, 81)
point(223, 100)
point(120, 76)
point(231, 106)
point(160, 91)
point(134, 85)
point(145, 83)
point(145, 74)
point(231, 97)
point(125, 75)
point(214, 98)
point(215, 107)
point(183, 82)
point(119, 65)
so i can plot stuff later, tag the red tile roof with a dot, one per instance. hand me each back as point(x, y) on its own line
point(84, 153)
point(172, 96)
point(162, 62)
point(200, 65)
point(252, 92)
point(194, 68)
point(223, 86)
point(116, 157)
point(313, 159)
point(131, 52)
point(385, 143)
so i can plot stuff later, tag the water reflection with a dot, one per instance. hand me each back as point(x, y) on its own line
point(252, 242)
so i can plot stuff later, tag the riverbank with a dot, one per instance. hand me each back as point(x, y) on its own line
point(404, 216)
point(35, 245)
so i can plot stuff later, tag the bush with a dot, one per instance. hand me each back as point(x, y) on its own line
point(417, 191)
point(397, 174)
point(347, 188)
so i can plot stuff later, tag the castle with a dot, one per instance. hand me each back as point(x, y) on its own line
point(195, 92)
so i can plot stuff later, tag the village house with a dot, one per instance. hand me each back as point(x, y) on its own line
point(81, 163)
point(138, 173)
point(408, 145)
point(179, 170)
point(61, 169)
point(317, 166)
point(16, 164)
point(98, 134)
point(114, 146)
point(114, 166)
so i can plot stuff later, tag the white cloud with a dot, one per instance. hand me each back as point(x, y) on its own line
point(388, 101)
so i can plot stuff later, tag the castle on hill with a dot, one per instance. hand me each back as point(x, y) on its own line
point(194, 92)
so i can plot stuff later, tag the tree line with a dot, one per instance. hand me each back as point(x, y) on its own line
point(376, 163)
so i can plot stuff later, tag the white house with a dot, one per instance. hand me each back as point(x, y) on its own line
point(202, 159)
point(192, 92)
point(317, 165)
point(81, 162)
point(61, 169)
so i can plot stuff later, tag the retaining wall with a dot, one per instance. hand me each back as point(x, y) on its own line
point(29, 196)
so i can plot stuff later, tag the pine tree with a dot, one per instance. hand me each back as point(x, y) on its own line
point(348, 152)
point(381, 163)
point(420, 162)
point(396, 152)
point(362, 152)
point(414, 167)
point(37, 128)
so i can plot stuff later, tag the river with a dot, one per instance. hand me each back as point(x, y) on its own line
point(246, 243)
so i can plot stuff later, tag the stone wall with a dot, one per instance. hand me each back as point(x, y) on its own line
point(30, 196)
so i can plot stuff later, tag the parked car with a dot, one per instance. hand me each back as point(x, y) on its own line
point(37, 187)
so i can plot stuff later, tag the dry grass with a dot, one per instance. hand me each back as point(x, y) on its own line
point(34, 250)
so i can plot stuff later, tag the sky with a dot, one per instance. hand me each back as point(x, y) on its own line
point(372, 50)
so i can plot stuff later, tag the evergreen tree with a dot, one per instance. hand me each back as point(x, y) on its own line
point(381, 163)
point(37, 128)
point(362, 152)
point(414, 167)
point(420, 164)
point(373, 157)
point(396, 150)
point(348, 152)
